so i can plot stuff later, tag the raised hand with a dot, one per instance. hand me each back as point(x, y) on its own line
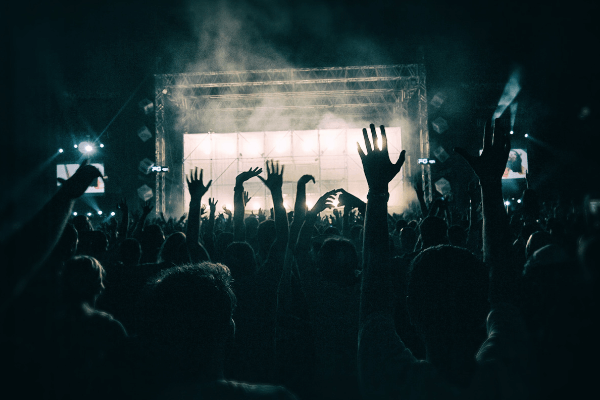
point(324, 202)
point(305, 179)
point(147, 208)
point(379, 170)
point(226, 210)
point(418, 186)
point(274, 179)
point(212, 204)
point(76, 185)
point(348, 200)
point(246, 198)
point(244, 176)
point(490, 165)
point(195, 185)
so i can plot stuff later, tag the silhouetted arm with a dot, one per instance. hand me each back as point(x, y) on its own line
point(27, 249)
point(489, 167)
point(197, 190)
point(274, 182)
point(239, 203)
point(377, 293)
point(299, 209)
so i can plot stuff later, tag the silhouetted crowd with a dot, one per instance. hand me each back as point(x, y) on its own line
point(345, 302)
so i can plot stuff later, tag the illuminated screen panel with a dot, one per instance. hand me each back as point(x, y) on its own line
point(65, 171)
point(330, 155)
point(516, 166)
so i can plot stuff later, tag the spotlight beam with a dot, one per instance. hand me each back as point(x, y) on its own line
point(511, 90)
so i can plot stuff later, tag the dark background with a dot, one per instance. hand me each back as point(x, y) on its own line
point(68, 69)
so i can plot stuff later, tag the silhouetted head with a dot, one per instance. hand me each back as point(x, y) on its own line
point(82, 223)
point(401, 223)
point(93, 244)
point(151, 241)
point(266, 236)
point(82, 280)
point(337, 261)
point(413, 224)
point(356, 233)
point(251, 226)
point(408, 239)
point(130, 252)
point(185, 319)
point(536, 241)
point(174, 250)
point(67, 244)
point(433, 231)
point(332, 231)
point(239, 257)
point(447, 292)
point(457, 236)
point(224, 239)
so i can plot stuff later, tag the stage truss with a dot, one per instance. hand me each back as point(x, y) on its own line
point(287, 99)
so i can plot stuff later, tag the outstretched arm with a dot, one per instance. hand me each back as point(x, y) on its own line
point(239, 203)
point(421, 196)
point(197, 190)
point(299, 209)
point(139, 227)
point(274, 182)
point(27, 249)
point(489, 167)
point(377, 289)
point(124, 225)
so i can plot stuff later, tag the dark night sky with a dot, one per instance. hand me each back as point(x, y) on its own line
point(70, 67)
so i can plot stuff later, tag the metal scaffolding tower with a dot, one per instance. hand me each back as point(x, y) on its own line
point(280, 99)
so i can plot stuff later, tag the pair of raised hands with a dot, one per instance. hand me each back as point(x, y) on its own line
point(274, 179)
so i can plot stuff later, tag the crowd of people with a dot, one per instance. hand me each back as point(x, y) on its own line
point(437, 302)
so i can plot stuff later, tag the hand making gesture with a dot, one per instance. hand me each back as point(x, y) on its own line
point(76, 185)
point(274, 179)
point(195, 185)
point(246, 175)
point(379, 170)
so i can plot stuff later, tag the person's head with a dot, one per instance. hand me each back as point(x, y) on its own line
point(515, 163)
point(356, 233)
point(151, 241)
point(130, 252)
point(413, 224)
point(185, 319)
point(82, 278)
point(536, 241)
point(433, 231)
point(457, 236)
point(331, 231)
point(93, 244)
point(67, 244)
point(251, 226)
point(224, 239)
point(239, 258)
point(408, 239)
point(447, 293)
point(337, 261)
point(81, 223)
point(174, 250)
point(401, 223)
point(266, 236)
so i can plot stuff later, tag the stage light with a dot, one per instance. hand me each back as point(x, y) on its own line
point(75, 145)
point(164, 91)
point(86, 147)
point(309, 204)
point(60, 150)
point(507, 203)
point(102, 145)
point(519, 201)
point(511, 132)
point(89, 214)
point(75, 213)
point(526, 135)
point(335, 203)
point(99, 212)
point(112, 213)
point(229, 206)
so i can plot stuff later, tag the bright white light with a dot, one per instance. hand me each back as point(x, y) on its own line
point(60, 150)
point(519, 201)
point(282, 145)
point(75, 145)
point(309, 204)
point(526, 135)
point(511, 132)
point(74, 212)
point(99, 212)
point(112, 213)
point(507, 203)
point(285, 204)
point(102, 145)
point(335, 202)
point(89, 214)
point(86, 147)
point(254, 206)
point(229, 206)
point(164, 91)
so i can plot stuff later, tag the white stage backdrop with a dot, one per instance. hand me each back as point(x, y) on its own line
point(329, 155)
